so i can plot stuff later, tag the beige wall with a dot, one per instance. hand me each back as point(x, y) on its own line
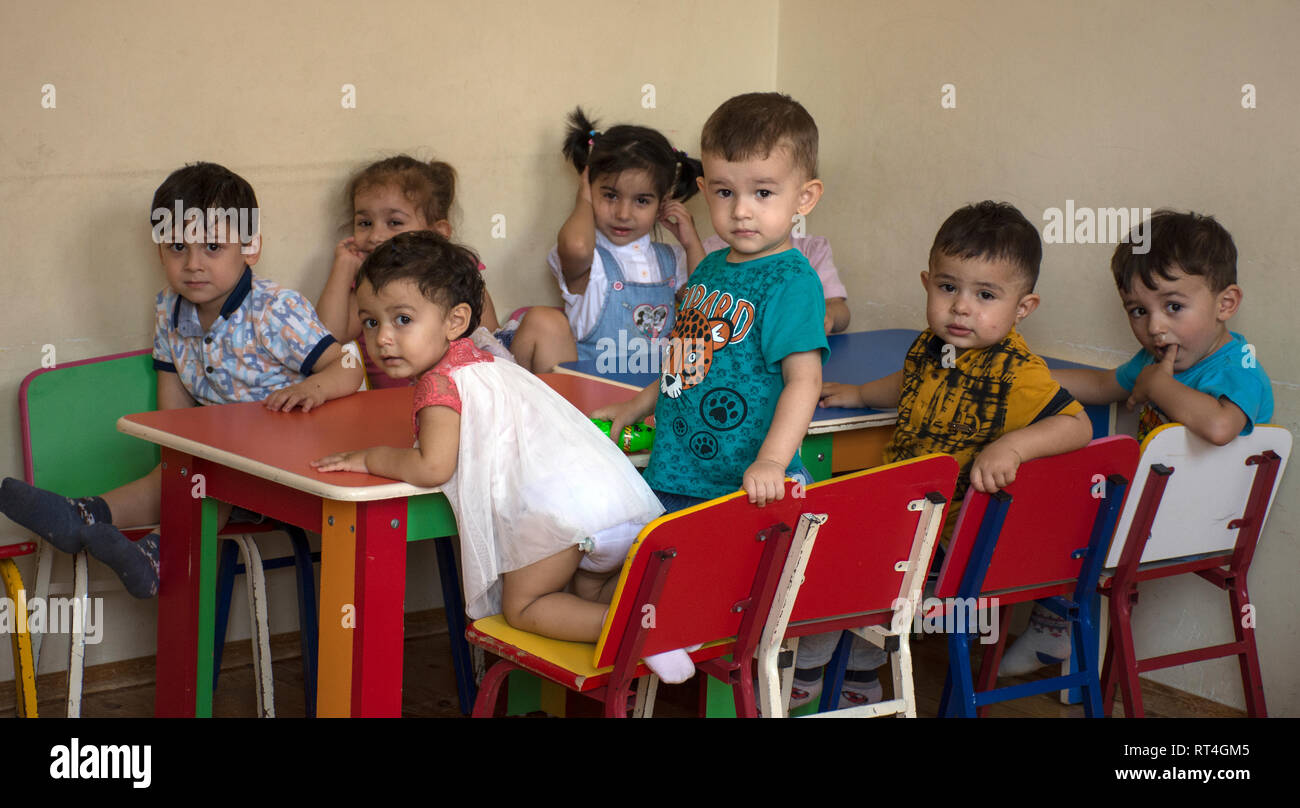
point(1108, 104)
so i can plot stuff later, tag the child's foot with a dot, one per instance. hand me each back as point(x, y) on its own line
point(807, 686)
point(135, 562)
point(1045, 642)
point(56, 519)
point(860, 687)
point(672, 667)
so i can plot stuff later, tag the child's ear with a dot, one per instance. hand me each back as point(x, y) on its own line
point(699, 183)
point(252, 250)
point(1229, 300)
point(458, 321)
point(925, 280)
point(1026, 306)
point(809, 195)
point(443, 228)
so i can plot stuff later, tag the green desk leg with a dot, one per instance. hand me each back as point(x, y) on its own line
point(207, 609)
point(816, 455)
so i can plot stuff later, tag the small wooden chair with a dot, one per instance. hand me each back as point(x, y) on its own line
point(71, 445)
point(866, 572)
point(707, 574)
point(1198, 509)
point(1043, 536)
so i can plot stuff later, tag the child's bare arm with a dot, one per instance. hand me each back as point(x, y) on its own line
point(337, 307)
point(837, 315)
point(1217, 420)
point(172, 395)
point(996, 466)
point(635, 409)
point(764, 480)
point(576, 243)
point(1090, 385)
point(428, 466)
point(881, 394)
point(488, 319)
point(334, 378)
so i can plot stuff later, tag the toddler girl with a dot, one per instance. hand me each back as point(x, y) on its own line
point(612, 276)
point(543, 500)
point(400, 194)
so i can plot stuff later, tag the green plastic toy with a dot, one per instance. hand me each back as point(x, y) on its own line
point(636, 438)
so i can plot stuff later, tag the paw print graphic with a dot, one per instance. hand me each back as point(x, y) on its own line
point(679, 427)
point(704, 445)
point(723, 409)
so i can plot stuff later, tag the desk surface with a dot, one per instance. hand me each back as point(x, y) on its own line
point(279, 446)
point(856, 357)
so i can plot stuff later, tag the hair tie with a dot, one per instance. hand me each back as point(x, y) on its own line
point(592, 134)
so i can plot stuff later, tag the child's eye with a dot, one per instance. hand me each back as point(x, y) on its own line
point(987, 295)
point(948, 287)
point(610, 195)
point(177, 247)
point(362, 224)
point(214, 247)
point(403, 319)
point(723, 193)
point(764, 193)
point(1174, 308)
point(1136, 312)
point(645, 200)
point(395, 223)
point(369, 322)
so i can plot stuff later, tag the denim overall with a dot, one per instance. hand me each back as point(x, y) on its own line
point(644, 311)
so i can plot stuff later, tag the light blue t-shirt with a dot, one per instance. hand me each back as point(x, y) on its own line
point(721, 381)
point(1231, 372)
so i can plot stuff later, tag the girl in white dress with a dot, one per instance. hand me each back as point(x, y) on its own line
point(546, 505)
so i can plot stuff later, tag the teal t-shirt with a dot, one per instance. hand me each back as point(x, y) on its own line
point(721, 379)
point(1231, 372)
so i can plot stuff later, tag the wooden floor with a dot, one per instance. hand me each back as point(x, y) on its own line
point(125, 689)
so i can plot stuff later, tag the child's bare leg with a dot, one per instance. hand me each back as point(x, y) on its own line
point(543, 340)
point(595, 586)
point(139, 502)
point(533, 599)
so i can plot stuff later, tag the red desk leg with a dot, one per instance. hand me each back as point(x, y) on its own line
point(380, 593)
point(180, 556)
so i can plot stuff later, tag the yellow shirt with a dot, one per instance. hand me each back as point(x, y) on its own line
point(985, 394)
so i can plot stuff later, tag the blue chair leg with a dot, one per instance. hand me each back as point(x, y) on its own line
point(833, 679)
point(454, 604)
point(226, 565)
point(308, 630)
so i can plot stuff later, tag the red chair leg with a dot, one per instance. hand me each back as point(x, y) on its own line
point(486, 703)
point(1125, 660)
point(1108, 683)
point(746, 704)
point(1252, 681)
point(988, 678)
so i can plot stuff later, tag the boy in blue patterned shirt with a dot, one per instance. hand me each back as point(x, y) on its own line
point(220, 336)
point(1179, 297)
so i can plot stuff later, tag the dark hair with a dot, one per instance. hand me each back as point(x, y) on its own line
point(752, 125)
point(991, 231)
point(447, 273)
point(203, 186)
point(430, 186)
point(1196, 244)
point(623, 148)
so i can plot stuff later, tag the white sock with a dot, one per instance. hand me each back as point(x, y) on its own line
point(673, 667)
point(1045, 642)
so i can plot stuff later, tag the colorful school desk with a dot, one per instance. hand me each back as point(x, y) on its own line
point(248, 456)
point(839, 438)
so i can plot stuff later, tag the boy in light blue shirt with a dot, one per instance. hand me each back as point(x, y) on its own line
point(1191, 369)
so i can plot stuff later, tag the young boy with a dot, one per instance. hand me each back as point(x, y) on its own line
point(969, 386)
point(221, 335)
point(743, 371)
point(1179, 297)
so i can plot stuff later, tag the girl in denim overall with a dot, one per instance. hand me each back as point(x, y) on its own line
point(618, 285)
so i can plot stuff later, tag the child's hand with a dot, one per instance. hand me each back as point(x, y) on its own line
point(764, 481)
point(619, 416)
point(307, 394)
point(584, 188)
point(1148, 377)
point(995, 468)
point(347, 258)
point(344, 461)
point(835, 394)
point(678, 220)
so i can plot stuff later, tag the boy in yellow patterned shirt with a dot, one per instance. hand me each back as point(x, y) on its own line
point(969, 386)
